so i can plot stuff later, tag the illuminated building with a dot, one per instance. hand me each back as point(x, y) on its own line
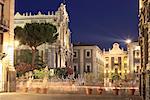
point(58, 54)
point(134, 61)
point(115, 64)
point(88, 58)
point(7, 71)
point(144, 39)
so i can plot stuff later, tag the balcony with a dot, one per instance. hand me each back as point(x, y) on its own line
point(4, 26)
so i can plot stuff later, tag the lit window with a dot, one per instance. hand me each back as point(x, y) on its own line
point(107, 74)
point(125, 65)
point(116, 60)
point(125, 60)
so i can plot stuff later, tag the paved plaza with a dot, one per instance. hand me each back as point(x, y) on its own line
point(25, 96)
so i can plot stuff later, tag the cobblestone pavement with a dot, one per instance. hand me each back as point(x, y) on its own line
point(26, 96)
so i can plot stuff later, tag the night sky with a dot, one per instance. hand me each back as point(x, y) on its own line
point(93, 21)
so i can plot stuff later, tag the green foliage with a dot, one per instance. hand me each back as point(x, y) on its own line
point(39, 74)
point(25, 56)
point(116, 76)
point(36, 34)
point(61, 72)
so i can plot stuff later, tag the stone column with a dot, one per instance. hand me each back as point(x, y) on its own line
point(82, 63)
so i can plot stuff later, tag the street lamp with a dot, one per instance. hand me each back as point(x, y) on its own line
point(128, 41)
point(129, 56)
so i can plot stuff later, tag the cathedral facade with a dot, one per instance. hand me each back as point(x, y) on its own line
point(58, 54)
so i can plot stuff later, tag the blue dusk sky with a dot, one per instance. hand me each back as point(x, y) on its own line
point(93, 21)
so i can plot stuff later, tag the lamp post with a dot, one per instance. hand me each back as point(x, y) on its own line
point(128, 42)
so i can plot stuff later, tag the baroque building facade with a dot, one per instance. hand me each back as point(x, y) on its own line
point(59, 54)
point(115, 64)
point(7, 70)
point(144, 39)
point(88, 58)
point(134, 61)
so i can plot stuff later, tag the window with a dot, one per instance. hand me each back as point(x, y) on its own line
point(125, 65)
point(88, 68)
point(115, 60)
point(88, 53)
point(75, 67)
point(112, 63)
point(125, 71)
point(137, 54)
point(119, 62)
point(75, 54)
point(137, 68)
point(107, 74)
point(125, 60)
point(116, 70)
point(106, 65)
point(1, 12)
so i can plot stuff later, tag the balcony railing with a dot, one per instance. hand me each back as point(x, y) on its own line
point(4, 25)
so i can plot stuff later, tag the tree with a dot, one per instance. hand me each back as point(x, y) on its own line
point(25, 56)
point(36, 34)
